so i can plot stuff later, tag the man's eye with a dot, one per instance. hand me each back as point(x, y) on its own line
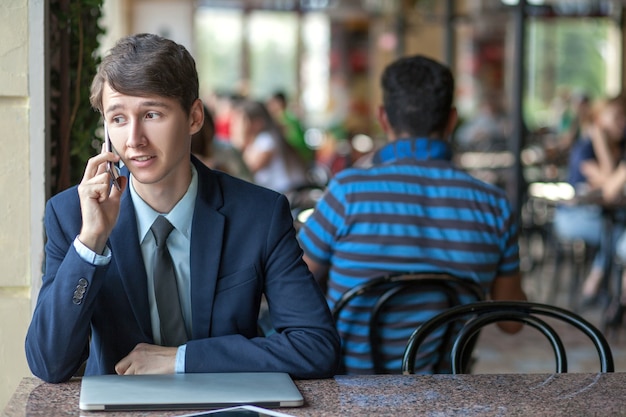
point(152, 115)
point(117, 119)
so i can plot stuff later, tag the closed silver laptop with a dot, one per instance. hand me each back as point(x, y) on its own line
point(188, 391)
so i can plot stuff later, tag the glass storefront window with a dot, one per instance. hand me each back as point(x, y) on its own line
point(264, 51)
point(273, 45)
point(569, 57)
point(218, 35)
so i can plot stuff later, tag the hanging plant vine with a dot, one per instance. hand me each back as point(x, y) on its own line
point(74, 42)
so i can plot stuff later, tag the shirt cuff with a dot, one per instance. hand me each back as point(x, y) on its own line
point(179, 367)
point(90, 256)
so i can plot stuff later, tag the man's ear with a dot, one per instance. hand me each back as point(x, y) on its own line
point(383, 119)
point(453, 118)
point(196, 117)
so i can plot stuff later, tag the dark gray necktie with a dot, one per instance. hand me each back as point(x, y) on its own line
point(165, 288)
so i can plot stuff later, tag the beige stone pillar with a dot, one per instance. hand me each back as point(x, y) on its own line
point(22, 121)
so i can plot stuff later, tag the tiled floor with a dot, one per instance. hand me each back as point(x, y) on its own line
point(529, 352)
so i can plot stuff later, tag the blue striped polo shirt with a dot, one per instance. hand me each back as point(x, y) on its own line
point(411, 211)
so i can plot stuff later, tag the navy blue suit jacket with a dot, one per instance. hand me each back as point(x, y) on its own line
point(243, 245)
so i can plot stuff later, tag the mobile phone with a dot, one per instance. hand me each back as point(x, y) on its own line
point(239, 411)
point(111, 168)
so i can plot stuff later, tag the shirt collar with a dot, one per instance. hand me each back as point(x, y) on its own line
point(180, 216)
point(413, 148)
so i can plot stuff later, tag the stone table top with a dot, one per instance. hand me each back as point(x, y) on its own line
point(572, 394)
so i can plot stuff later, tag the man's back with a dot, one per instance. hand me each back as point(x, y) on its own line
point(411, 211)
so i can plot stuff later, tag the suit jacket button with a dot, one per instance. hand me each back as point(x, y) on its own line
point(77, 300)
point(83, 282)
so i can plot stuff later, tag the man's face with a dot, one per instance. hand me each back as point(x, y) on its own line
point(152, 135)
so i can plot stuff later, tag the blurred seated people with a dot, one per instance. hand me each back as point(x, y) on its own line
point(334, 151)
point(216, 154)
point(222, 106)
point(592, 160)
point(272, 161)
point(573, 122)
point(290, 125)
point(412, 210)
point(614, 192)
point(486, 131)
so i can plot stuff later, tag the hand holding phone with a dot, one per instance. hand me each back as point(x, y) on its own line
point(111, 169)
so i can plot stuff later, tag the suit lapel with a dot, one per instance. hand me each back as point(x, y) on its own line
point(206, 247)
point(129, 262)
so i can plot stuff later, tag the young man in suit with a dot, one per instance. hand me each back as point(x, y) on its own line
point(232, 242)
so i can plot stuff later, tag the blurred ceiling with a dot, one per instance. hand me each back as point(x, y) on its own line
point(305, 5)
point(355, 7)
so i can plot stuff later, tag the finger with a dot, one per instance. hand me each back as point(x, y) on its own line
point(130, 370)
point(98, 191)
point(91, 169)
point(97, 164)
point(122, 182)
point(122, 366)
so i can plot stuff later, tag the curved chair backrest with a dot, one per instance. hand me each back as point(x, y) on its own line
point(386, 289)
point(487, 312)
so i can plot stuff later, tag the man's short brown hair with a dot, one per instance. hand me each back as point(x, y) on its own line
point(146, 64)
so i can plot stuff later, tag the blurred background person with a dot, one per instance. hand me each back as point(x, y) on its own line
point(290, 124)
point(592, 160)
point(487, 131)
point(614, 192)
point(215, 154)
point(574, 122)
point(411, 210)
point(272, 161)
point(221, 106)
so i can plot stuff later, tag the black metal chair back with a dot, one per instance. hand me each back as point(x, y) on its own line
point(487, 312)
point(387, 288)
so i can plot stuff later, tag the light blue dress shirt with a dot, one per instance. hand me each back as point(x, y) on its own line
point(179, 245)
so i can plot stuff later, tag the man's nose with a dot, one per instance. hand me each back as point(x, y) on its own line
point(136, 135)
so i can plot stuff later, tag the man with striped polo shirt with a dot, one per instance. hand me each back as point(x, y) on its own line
point(411, 211)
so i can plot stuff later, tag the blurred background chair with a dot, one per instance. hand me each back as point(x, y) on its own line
point(302, 201)
point(392, 305)
point(561, 263)
point(480, 314)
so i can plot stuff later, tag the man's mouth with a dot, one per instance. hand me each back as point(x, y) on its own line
point(141, 158)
